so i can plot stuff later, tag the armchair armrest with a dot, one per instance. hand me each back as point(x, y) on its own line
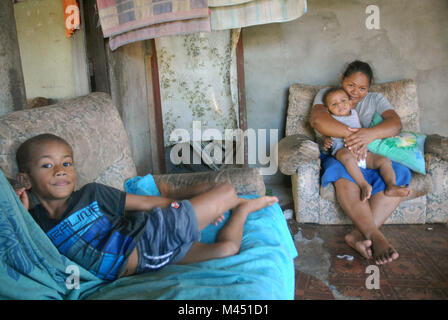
point(295, 150)
point(244, 180)
point(437, 145)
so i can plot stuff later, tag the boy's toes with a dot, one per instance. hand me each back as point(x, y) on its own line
point(272, 200)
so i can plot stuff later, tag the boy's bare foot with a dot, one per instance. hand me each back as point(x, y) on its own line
point(247, 206)
point(366, 191)
point(357, 241)
point(383, 252)
point(396, 191)
point(251, 205)
point(269, 200)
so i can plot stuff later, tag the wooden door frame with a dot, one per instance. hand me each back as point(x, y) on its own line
point(96, 53)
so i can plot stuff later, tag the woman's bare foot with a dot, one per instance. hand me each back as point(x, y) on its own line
point(383, 252)
point(396, 191)
point(357, 241)
point(366, 191)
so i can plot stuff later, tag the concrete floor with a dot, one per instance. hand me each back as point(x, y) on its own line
point(328, 269)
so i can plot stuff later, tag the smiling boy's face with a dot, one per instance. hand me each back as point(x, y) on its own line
point(51, 174)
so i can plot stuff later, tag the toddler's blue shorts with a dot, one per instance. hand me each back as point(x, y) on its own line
point(335, 170)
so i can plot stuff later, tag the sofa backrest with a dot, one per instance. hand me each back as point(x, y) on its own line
point(90, 124)
point(401, 94)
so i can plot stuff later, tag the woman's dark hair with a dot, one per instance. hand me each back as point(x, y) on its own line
point(359, 66)
point(23, 154)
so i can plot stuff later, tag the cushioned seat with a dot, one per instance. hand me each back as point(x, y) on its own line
point(298, 156)
point(32, 268)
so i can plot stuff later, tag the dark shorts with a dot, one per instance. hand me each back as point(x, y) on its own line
point(169, 234)
point(335, 170)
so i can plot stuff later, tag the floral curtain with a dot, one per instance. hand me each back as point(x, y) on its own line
point(198, 81)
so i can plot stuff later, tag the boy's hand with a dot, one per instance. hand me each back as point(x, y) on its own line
point(23, 196)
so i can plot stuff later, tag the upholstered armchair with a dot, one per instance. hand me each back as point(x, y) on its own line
point(31, 267)
point(298, 156)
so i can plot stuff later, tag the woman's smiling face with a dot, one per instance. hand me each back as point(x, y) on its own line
point(357, 86)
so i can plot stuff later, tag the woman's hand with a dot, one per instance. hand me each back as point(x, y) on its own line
point(359, 139)
point(23, 196)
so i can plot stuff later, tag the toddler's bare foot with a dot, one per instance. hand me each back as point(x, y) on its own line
point(396, 191)
point(366, 191)
point(357, 241)
point(383, 252)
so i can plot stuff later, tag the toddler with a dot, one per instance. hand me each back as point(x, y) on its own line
point(338, 104)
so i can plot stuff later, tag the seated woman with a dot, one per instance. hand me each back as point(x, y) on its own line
point(367, 216)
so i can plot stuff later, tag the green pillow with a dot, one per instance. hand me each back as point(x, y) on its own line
point(406, 148)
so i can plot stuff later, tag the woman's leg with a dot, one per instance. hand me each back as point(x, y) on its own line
point(382, 207)
point(348, 194)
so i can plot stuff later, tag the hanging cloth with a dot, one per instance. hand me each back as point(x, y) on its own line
point(118, 17)
point(172, 28)
point(231, 14)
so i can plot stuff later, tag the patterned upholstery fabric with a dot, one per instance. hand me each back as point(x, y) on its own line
point(90, 124)
point(428, 201)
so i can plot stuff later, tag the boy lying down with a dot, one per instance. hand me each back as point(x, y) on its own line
point(114, 234)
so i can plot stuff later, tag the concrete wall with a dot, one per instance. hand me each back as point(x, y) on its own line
point(53, 66)
point(412, 42)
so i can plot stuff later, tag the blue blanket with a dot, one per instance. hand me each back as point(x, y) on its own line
point(32, 268)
